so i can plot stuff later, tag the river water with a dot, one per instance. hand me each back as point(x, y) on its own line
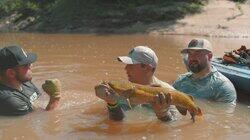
point(82, 61)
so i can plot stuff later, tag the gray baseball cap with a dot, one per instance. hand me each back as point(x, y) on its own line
point(140, 55)
point(198, 44)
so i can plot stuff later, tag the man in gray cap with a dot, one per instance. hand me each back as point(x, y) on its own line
point(17, 92)
point(141, 64)
point(203, 80)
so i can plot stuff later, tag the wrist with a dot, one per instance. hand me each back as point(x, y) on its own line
point(53, 103)
point(112, 105)
point(55, 98)
point(165, 118)
point(111, 102)
point(54, 95)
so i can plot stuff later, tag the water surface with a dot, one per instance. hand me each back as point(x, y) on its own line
point(82, 61)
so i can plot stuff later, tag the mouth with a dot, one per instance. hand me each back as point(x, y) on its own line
point(193, 63)
point(129, 76)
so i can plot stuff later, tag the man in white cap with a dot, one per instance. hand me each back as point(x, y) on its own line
point(141, 64)
point(203, 80)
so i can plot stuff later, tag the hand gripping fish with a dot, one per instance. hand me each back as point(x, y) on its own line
point(137, 93)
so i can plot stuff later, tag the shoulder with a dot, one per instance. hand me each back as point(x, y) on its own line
point(13, 105)
point(5, 92)
point(225, 91)
point(30, 86)
point(221, 80)
point(13, 102)
point(161, 83)
point(181, 78)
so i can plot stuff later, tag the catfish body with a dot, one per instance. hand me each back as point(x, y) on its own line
point(137, 93)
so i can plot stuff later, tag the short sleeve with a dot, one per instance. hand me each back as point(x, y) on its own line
point(226, 93)
point(15, 106)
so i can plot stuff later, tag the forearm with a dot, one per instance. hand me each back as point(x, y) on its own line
point(53, 103)
point(115, 112)
point(168, 114)
point(164, 115)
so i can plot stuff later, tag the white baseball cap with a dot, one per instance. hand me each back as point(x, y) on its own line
point(140, 55)
point(198, 44)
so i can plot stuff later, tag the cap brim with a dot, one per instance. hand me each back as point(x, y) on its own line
point(126, 60)
point(31, 58)
point(193, 48)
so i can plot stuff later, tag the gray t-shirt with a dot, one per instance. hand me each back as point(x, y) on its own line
point(14, 102)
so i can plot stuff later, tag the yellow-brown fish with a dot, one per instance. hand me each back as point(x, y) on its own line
point(137, 93)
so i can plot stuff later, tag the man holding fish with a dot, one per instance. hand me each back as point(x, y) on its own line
point(203, 81)
point(141, 64)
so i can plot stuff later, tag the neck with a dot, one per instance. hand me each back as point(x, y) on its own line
point(202, 73)
point(146, 81)
point(12, 84)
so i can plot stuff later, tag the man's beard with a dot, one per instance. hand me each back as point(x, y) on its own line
point(23, 78)
point(196, 68)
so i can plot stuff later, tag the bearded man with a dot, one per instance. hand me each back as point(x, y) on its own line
point(17, 92)
point(203, 81)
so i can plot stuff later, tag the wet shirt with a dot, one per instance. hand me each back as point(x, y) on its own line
point(14, 102)
point(215, 87)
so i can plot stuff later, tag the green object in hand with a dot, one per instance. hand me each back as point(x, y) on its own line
point(52, 87)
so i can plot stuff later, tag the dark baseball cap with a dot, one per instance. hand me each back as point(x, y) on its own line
point(12, 56)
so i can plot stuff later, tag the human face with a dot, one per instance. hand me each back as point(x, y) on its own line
point(136, 73)
point(23, 73)
point(198, 60)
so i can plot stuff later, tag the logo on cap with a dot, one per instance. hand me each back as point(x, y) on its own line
point(24, 53)
point(193, 43)
point(131, 51)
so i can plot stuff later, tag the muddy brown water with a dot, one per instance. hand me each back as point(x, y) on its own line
point(82, 61)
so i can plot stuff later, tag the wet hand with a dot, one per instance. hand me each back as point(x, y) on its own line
point(104, 92)
point(161, 104)
point(52, 87)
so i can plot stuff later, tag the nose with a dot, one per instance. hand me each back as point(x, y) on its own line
point(126, 67)
point(193, 56)
point(28, 66)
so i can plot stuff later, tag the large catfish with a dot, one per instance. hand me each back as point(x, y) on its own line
point(137, 93)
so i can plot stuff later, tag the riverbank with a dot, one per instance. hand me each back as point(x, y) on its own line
point(220, 18)
point(96, 16)
point(216, 18)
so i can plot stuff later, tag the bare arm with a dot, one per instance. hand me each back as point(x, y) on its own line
point(53, 103)
point(114, 108)
point(53, 88)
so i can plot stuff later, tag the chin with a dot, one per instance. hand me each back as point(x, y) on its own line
point(27, 79)
point(131, 80)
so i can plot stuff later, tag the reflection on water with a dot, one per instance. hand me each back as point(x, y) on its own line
point(82, 61)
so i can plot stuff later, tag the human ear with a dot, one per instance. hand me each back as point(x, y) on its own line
point(10, 73)
point(210, 56)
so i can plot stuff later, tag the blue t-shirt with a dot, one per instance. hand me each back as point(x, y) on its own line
point(214, 86)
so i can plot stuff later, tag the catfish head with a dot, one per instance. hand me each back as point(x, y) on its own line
point(124, 89)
